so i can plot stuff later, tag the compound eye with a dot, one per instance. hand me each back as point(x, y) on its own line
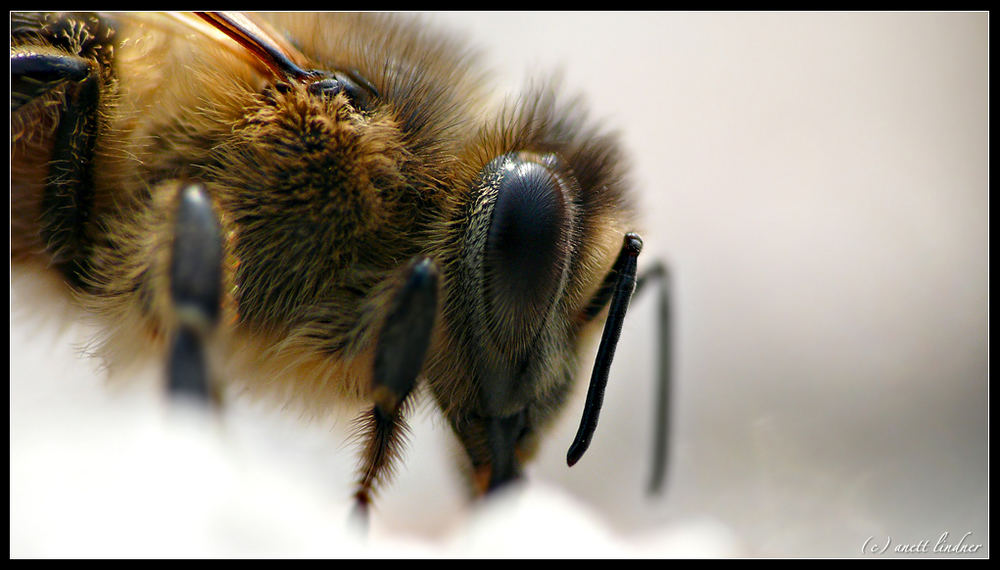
point(527, 247)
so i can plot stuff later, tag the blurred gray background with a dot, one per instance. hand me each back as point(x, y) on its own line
point(818, 184)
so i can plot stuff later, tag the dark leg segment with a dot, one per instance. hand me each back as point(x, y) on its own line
point(64, 60)
point(32, 75)
point(69, 191)
point(187, 370)
point(399, 357)
point(661, 440)
point(195, 290)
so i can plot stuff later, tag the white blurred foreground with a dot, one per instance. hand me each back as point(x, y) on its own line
point(139, 480)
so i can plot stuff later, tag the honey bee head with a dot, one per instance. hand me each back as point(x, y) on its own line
point(533, 242)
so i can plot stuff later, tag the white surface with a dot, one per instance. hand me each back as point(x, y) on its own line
point(819, 185)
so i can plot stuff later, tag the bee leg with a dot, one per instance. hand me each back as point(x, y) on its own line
point(68, 194)
point(33, 75)
point(195, 292)
point(399, 356)
point(659, 272)
point(69, 63)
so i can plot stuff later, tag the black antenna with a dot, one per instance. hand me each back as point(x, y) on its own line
point(625, 268)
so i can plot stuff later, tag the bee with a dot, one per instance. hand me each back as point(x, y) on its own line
point(327, 209)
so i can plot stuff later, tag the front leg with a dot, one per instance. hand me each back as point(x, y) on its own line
point(61, 75)
point(195, 291)
point(399, 356)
